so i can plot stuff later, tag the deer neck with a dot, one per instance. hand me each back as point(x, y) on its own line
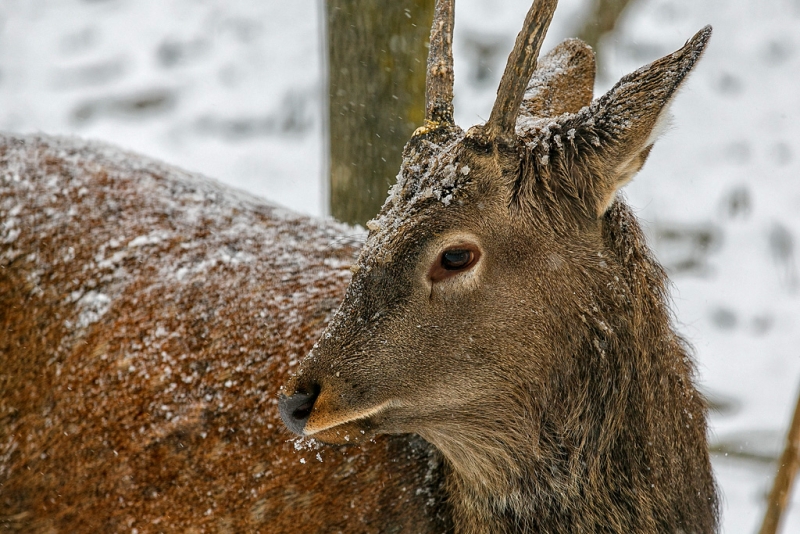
point(613, 441)
point(571, 470)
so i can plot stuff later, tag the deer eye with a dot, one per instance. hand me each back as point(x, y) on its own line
point(453, 261)
point(457, 259)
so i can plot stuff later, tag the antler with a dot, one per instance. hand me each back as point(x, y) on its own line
point(519, 69)
point(439, 82)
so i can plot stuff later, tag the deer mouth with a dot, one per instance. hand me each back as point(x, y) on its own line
point(310, 410)
point(339, 429)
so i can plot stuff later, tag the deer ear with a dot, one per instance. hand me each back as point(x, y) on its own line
point(593, 153)
point(563, 82)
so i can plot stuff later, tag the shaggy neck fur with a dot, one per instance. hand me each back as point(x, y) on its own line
point(615, 439)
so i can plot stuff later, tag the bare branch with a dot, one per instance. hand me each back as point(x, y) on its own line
point(784, 479)
point(519, 69)
point(439, 83)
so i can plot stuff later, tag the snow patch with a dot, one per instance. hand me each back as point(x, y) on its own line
point(92, 305)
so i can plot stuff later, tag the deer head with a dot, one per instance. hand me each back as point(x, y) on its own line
point(504, 289)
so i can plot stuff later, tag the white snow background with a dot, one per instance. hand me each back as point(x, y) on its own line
point(234, 89)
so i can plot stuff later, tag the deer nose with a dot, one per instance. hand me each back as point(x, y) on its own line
point(296, 409)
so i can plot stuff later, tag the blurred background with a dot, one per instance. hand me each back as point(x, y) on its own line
point(236, 90)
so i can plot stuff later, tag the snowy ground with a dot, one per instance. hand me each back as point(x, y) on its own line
point(232, 88)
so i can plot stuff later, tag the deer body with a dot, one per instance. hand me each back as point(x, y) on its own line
point(502, 359)
point(148, 317)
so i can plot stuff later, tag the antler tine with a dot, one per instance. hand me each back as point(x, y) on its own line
point(519, 69)
point(439, 82)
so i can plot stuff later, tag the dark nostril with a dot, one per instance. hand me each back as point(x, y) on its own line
point(296, 409)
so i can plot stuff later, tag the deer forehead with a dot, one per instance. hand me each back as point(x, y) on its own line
point(433, 177)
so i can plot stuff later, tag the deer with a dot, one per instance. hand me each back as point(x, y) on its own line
point(506, 309)
point(496, 355)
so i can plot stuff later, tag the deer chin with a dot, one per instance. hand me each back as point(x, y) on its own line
point(341, 429)
point(344, 434)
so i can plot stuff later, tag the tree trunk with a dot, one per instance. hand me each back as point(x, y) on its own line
point(377, 53)
point(601, 20)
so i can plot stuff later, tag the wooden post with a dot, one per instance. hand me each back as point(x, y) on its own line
point(377, 53)
point(787, 469)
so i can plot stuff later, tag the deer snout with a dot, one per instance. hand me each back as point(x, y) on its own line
point(296, 409)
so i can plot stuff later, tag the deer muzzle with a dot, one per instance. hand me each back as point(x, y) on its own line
point(296, 409)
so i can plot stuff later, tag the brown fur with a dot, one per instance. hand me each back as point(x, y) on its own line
point(85, 442)
point(148, 316)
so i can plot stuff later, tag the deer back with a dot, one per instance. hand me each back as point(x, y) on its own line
point(148, 316)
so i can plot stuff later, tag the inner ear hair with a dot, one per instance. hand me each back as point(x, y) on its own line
point(630, 167)
point(624, 174)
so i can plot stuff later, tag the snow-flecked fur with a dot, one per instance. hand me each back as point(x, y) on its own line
point(147, 319)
